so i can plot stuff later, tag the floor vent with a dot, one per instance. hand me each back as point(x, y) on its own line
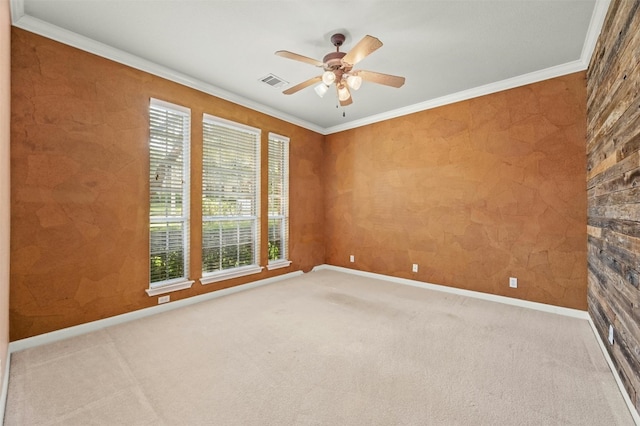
point(274, 81)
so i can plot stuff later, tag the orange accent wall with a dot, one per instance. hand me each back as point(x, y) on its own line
point(474, 193)
point(5, 120)
point(79, 140)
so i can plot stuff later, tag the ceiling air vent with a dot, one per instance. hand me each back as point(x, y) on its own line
point(274, 81)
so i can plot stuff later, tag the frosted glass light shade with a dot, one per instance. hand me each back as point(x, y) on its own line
point(354, 81)
point(343, 93)
point(321, 89)
point(328, 78)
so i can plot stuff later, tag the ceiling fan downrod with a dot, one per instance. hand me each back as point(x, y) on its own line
point(333, 61)
point(337, 40)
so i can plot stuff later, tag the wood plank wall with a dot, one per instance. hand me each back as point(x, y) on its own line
point(613, 175)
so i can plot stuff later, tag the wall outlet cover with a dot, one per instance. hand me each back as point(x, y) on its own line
point(163, 299)
point(415, 267)
point(610, 334)
point(352, 258)
point(513, 282)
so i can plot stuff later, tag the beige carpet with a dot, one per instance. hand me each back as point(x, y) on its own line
point(326, 348)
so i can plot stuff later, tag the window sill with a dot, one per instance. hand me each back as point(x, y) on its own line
point(168, 288)
point(229, 274)
point(277, 264)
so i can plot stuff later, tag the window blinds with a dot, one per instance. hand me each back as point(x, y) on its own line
point(230, 195)
point(169, 127)
point(278, 196)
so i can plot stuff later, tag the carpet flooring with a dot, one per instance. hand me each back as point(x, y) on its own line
point(324, 348)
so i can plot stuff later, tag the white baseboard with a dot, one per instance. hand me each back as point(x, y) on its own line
point(119, 319)
point(575, 313)
point(77, 330)
point(5, 385)
point(612, 367)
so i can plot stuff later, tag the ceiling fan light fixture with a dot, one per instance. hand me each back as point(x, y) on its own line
point(321, 89)
point(354, 81)
point(328, 78)
point(343, 93)
point(338, 69)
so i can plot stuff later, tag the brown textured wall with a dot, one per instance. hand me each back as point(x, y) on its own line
point(613, 141)
point(79, 242)
point(5, 120)
point(473, 192)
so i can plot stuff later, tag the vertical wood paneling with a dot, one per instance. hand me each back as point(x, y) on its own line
point(79, 158)
point(613, 188)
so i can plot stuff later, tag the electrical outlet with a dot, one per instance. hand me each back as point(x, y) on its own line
point(610, 334)
point(513, 282)
point(415, 267)
point(163, 299)
point(352, 258)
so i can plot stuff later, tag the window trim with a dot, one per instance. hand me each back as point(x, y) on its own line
point(227, 274)
point(170, 286)
point(277, 264)
point(180, 283)
point(240, 271)
point(284, 261)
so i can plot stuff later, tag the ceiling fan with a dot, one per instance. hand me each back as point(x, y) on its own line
point(338, 69)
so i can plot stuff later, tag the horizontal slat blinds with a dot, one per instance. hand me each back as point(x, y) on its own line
point(169, 127)
point(278, 196)
point(230, 200)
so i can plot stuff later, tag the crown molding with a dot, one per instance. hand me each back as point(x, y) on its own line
point(17, 10)
point(70, 38)
point(37, 26)
point(598, 16)
point(593, 32)
point(487, 89)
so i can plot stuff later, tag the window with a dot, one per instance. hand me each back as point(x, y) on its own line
point(278, 196)
point(230, 199)
point(169, 127)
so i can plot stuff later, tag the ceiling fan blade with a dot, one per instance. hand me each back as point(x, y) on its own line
point(349, 101)
point(364, 48)
point(377, 77)
point(298, 87)
point(296, 57)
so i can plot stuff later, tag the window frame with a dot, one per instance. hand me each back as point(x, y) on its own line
point(283, 215)
point(254, 268)
point(178, 283)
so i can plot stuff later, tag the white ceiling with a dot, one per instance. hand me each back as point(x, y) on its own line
point(447, 50)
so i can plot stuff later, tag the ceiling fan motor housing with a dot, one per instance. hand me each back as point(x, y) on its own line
point(333, 61)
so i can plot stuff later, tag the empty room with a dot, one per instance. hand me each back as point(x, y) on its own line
point(319, 212)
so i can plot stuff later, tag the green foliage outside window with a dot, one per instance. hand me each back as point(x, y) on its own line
point(274, 250)
point(166, 266)
point(220, 258)
point(227, 244)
